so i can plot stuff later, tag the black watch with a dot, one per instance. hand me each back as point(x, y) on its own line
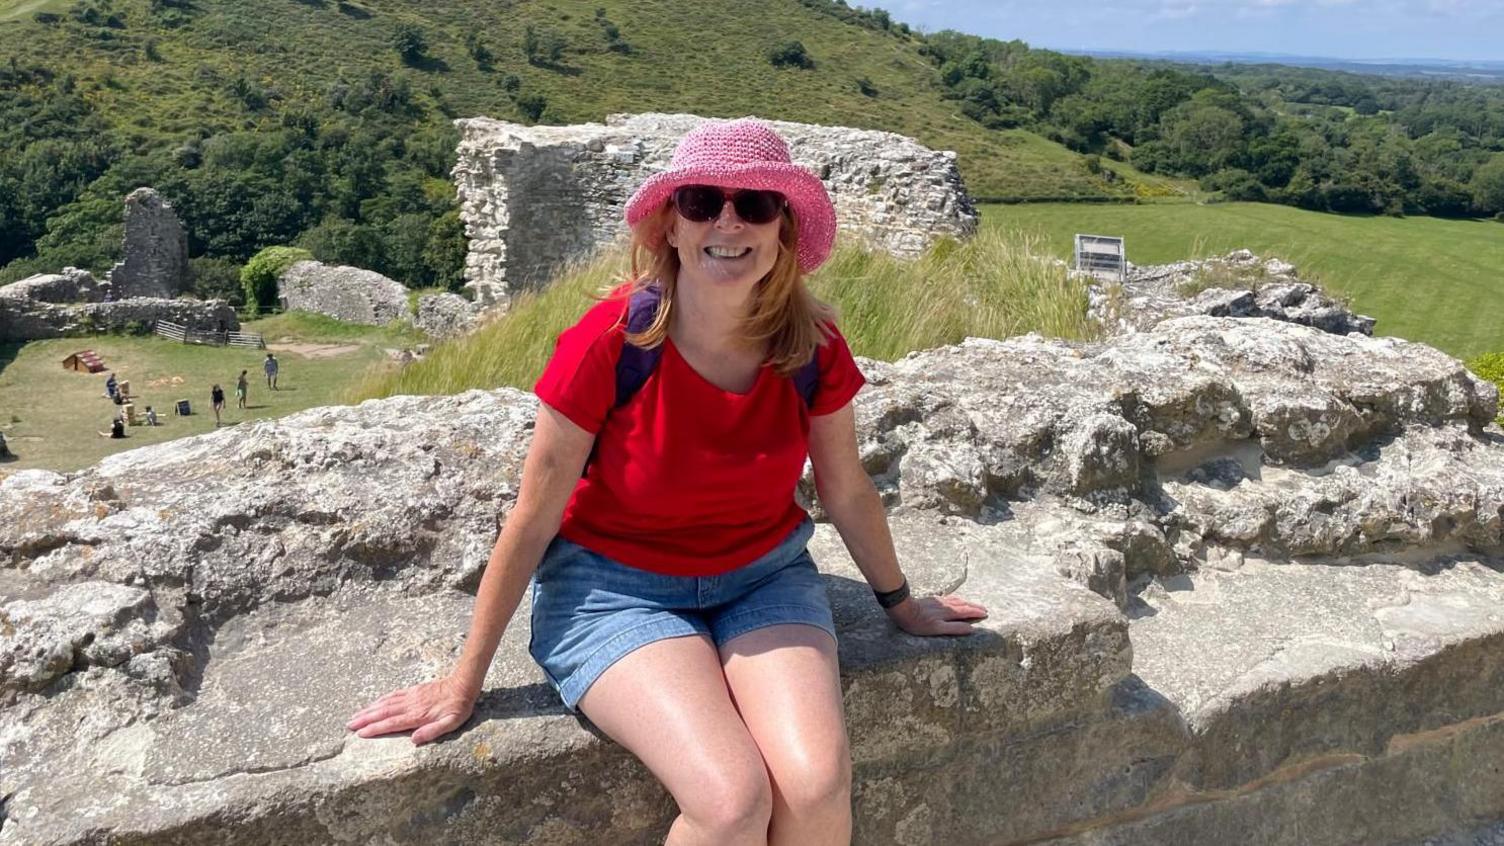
point(888, 599)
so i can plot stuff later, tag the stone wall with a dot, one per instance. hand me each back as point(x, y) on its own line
point(343, 293)
point(533, 198)
point(29, 320)
point(71, 286)
point(1244, 579)
point(155, 252)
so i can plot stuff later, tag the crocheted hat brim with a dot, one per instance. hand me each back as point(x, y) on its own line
point(805, 192)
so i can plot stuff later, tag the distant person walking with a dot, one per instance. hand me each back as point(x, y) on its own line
point(241, 387)
point(111, 386)
point(217, 399)
point(270, 366)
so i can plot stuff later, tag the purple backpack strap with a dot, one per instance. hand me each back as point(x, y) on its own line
point(636, 364)
point(807, 379)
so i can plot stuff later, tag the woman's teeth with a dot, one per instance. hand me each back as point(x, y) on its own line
point(727, 252)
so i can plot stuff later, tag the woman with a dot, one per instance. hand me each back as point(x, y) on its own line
point(242, 385)
point(217, 400)
point(674, 603)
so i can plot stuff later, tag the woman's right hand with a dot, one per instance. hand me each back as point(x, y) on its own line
point(431, 710)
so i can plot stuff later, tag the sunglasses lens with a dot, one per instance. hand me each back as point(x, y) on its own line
point(698, 203)
point(758, 206)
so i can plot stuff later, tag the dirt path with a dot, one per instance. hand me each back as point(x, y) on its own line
point(315, 350)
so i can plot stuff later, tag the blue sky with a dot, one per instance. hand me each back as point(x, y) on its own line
point(1349, 29)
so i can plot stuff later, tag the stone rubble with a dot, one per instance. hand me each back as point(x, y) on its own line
point(1239, 284)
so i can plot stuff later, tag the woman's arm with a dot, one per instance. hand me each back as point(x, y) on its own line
point(849, 497)
point(549, 474)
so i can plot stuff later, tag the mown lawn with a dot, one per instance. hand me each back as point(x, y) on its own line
point(1424, 278)
point(51, 416)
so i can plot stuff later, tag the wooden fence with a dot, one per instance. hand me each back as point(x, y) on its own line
point(182, 334)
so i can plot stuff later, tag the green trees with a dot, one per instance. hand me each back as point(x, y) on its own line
point(1488, 185)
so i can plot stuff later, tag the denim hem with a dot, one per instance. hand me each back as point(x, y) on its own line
point(573, 689)
point(759, 618)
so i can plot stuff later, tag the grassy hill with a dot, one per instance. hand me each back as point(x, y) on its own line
point(161, 72)
point(1424, 278)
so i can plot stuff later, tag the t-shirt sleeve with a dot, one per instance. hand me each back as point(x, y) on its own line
point(839, 377)
point(579, 381)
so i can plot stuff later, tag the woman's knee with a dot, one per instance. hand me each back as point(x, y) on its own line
point(735, 799)
point(818, 780)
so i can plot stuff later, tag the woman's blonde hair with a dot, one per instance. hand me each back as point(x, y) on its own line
point(784, 315)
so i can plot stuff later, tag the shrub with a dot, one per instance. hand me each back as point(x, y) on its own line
point(258, 279)
point(511, 83)
point(865, 86)
point(411, 43)
point(479, 51)
point(790, 54)
point(532, 105)
point(1490, 366)
point(542, 46)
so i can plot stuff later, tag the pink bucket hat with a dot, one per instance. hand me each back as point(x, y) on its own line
point(745, 153)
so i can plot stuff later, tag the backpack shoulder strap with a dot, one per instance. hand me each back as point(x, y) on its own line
point(636, 364)
point(807, 379)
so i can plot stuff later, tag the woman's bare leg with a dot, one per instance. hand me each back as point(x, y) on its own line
point(667, 703)
point(786, 682)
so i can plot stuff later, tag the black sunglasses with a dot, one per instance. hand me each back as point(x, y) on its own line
point(700, 203)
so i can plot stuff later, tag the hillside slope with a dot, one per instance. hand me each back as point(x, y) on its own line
point(164, 71)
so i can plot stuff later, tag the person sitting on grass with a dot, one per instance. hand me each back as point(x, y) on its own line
point(117, 428)
point(151, 417)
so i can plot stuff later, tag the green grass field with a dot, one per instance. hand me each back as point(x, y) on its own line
point(51, 417)
point(1424, 278)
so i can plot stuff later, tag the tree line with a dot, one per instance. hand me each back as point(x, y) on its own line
point(1318, 139)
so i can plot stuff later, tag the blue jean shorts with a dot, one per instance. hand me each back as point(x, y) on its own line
point(590, 611)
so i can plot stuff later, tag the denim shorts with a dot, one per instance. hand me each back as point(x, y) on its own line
point(590, 611)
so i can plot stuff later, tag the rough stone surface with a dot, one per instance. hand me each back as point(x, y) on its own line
point(535, 197)
point(1246, 584)
point(445, 315)
point(155, 251)
point(71, 286)
point(1239, 284)
point(343, 293)
point(31, 320)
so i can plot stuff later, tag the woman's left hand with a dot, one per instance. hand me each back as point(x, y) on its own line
point(936, 615)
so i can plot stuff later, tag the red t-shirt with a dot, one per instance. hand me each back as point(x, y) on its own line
point(687, 479)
